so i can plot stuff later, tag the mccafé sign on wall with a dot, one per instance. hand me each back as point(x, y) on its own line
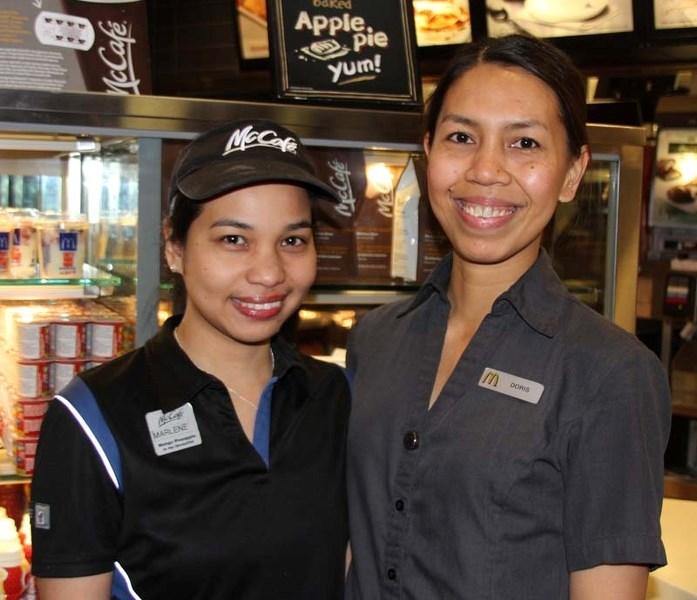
point(75, 45)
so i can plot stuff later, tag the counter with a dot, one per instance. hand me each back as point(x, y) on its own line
point(678, 579)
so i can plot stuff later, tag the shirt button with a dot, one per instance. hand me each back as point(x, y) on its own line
point(411, 440)
point(399, 505)
point(392, 574)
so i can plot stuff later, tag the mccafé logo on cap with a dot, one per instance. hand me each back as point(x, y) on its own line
point(248, 137)
point(244, 153)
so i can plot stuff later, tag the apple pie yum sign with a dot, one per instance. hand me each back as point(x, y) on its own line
point(355, 50)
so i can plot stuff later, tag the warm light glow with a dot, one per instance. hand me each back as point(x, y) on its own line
point(688, 167)
point(344, 318)
point(379, 177)
point(308, 315)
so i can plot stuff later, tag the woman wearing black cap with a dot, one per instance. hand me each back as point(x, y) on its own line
point(231, 444)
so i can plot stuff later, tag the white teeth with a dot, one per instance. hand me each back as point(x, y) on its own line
point(486, 212)
point(263, 306)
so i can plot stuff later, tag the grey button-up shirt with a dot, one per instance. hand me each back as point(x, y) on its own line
point(542, 455)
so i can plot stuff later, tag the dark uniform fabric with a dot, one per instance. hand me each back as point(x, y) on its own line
point(503, 487)
point(210, 521)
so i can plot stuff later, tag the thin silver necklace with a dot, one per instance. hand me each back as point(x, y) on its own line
point(229, 389)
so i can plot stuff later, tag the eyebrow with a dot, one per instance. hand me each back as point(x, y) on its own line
point(302, 224)
point(513, 125)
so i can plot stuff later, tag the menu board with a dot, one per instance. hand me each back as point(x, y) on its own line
point(437, 22)
point(553, 18)
point(674, 186)
point(349, 50)
point(674, 14)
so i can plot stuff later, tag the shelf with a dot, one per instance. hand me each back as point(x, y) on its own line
point(355, 297)
point(679, 486)
point(685, 410)
point(93, 283)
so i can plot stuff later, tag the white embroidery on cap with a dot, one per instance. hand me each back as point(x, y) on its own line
point(243, 139)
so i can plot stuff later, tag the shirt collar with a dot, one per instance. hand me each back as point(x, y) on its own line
point(537, 296)
point(436, 283)
point(176, 380)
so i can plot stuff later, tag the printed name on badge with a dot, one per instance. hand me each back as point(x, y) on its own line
point(510, 385)
point(173, 431)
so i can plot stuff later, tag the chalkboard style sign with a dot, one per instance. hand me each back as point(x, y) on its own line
point(344, 50)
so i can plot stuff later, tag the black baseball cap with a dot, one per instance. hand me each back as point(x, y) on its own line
point(244, 153)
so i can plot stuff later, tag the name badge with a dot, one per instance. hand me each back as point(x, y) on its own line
point(173, 431)
point(510, 385)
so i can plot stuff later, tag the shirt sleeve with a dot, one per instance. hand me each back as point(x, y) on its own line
point(613, 474)
point(76, 510)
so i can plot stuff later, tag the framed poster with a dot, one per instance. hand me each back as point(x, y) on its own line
point(674, 14)
point(553, 18)
point(442, 22)
point(252, 30)
point(674, 184)
point(671, 20)
point(344, 50)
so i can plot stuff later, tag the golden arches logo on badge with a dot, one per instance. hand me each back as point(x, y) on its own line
point(490, 378)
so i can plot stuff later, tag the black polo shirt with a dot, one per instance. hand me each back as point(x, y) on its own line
point(542, 455)
point(209, 521)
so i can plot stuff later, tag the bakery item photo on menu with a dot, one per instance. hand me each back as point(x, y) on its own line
point(440, 22)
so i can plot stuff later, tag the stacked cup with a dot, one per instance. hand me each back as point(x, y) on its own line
point(14, 568)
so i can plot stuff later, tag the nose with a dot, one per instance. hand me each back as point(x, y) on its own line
point(266, 268)
point(487, 166)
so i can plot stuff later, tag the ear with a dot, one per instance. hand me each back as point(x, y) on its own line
point(427, 144)
point(174, 251)
point(574, 174)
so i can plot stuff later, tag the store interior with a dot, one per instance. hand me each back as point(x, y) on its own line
point(627, 247)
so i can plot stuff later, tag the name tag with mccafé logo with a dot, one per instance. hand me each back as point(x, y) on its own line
point(510, 385)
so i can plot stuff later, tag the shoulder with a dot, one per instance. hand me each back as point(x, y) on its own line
point(611, 363)
point(320, 370)
point(120, 385)
point(114, 374)
point(318, 374)
point(590, 334)
point(382, 319)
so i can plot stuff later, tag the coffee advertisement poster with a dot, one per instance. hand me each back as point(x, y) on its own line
point(344, 171)
point(75, 45)
point(350, 50)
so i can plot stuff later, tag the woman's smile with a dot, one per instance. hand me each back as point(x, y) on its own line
point(259, 308)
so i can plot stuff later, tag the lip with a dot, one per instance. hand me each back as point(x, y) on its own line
point(266, 307)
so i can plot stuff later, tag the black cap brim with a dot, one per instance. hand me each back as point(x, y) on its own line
point(220, 177)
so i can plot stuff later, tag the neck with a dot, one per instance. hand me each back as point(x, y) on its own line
point(227, 359)
point(474, 288)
